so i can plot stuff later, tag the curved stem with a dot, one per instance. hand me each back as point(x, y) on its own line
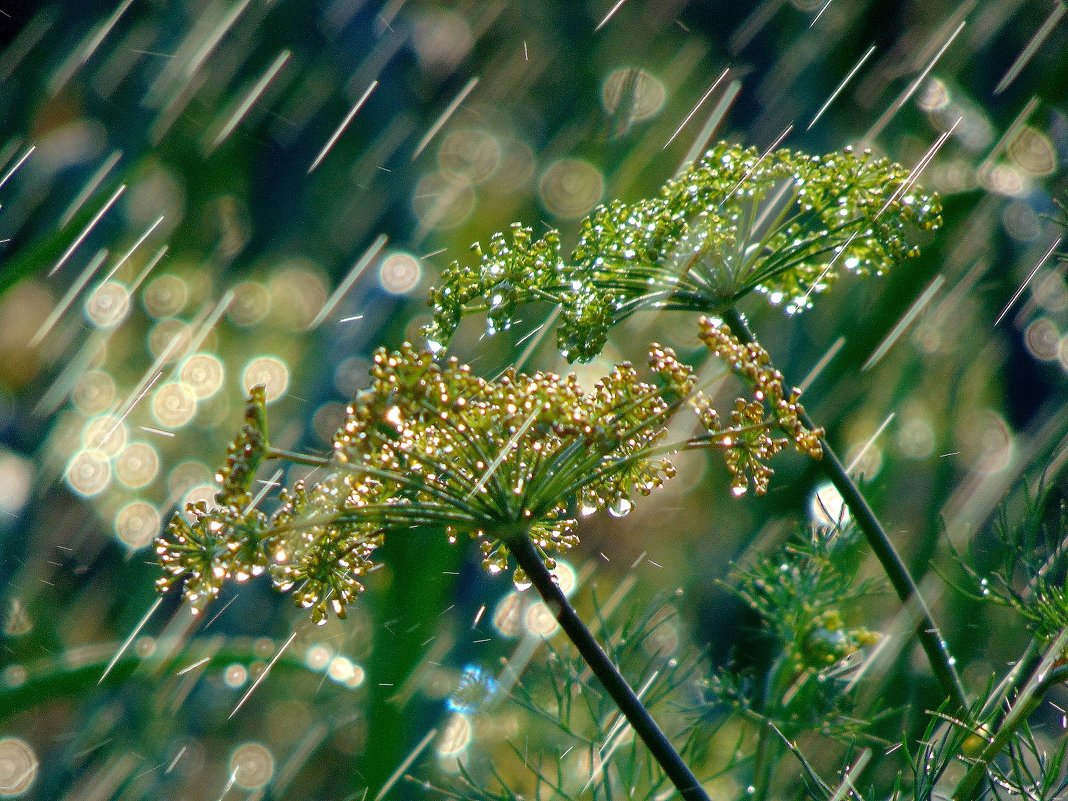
point(934, 645)
point(528, 558)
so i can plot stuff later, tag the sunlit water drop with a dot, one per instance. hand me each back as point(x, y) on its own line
point(251, 765)
point(474, 690)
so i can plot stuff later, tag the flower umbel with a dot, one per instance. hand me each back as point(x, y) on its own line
point(785, 224)
point(750, 440)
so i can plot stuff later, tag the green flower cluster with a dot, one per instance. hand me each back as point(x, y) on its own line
point(784, 224)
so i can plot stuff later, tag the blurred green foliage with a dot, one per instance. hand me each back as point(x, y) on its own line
point(126, 353)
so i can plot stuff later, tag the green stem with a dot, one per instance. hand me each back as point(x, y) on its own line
point(934, 645)
point(678, 772)
point(309, 459)
point(1029, 698)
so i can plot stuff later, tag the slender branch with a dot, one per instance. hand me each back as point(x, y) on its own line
point(528, 558)
point(1029, 698)
point(310, 459)
point(934, 645)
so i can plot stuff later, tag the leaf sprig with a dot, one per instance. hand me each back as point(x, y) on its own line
point(784, 224)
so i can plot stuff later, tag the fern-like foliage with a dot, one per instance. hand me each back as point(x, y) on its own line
point(1032, 575)
point(785, 224)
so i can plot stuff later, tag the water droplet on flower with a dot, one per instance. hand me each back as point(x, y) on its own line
point(738, 490)
point(586, 509)
point(621, 508)
point(519, 578)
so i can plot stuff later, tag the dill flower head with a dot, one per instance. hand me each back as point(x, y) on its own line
point(431, 444)
point(784, 224)
point(496, 459)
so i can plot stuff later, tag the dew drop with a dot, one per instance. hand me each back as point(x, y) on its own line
point(519, 578)
point(621, 508)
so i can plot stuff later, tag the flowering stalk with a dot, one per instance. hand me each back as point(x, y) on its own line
point(934, 645)
point(528, 558)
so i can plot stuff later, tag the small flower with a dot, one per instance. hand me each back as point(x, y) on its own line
point(750, 440)
point(784, 224)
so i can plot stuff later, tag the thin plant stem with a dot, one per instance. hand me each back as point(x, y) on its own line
point(1029, 698)
point(934, 645)
point(310, 459)
point(678, 772)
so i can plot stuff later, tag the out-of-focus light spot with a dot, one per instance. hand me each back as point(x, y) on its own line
point(108, 305)
point(137, 523)
point(566, 578)
point(169, 336)
point(173, 404)
point(508, 615)
point(475, 688)
point(472, 153)
point(14, 675)
point(17, 620)
point(986, 442)
point(137, 465)
point(443, 200)
point(1050, 292)
point(1033, 152)
point(298, 292)
point(515, 170)
point(327, 419)
point(105, 433)
point(400, 273)
point(94, 392)
point(826, 508)
point(539, 620)
point(1021, 222)
point(663, 638)
point(156, 192)
point(455, 737)
point(569, 188)
point(16, 481)
point(351, 375)
point(934, 96)
point(144, 647)
point(317, 657)
point(271, 372)
point(1005, 180)
point(18, 767)
point(915, 437)
point(187, 475)
point(202, 373)
point(251, 765)
point(871, 460)
point(165, 295)
point(344, 671)
point(641, 94)
point(1042, 339)
point(201, 493)
point(357, 678)
point(235, 676)
point(1062, 352)
point(441, 38)
point(250, 305)
point(88, 473)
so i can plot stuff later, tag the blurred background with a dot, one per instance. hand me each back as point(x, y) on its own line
point(197, 196)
